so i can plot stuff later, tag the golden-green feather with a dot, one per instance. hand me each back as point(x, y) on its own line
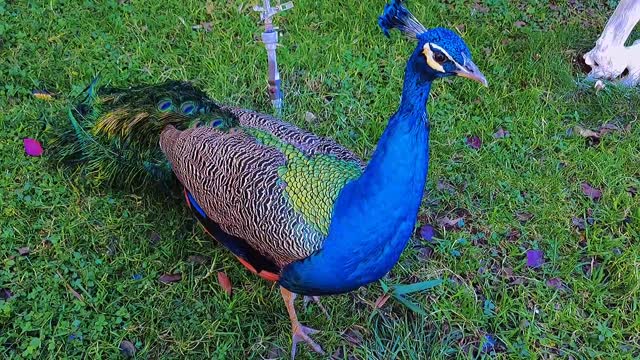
point(312, 183)
point(115, 132)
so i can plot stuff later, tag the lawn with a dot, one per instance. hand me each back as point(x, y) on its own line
point(89, 280)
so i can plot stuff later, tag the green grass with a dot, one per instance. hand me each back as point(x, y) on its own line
point(336, 64)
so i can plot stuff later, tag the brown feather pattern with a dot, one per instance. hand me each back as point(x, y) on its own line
point(235, 180)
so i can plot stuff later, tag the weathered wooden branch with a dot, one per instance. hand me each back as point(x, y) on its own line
point(610, 59)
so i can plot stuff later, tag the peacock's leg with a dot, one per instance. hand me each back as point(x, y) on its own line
point(300, 332)
point(315, 299)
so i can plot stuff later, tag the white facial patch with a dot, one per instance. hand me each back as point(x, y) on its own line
point(428, 54)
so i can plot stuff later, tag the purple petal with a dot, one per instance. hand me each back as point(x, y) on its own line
point(75, 337)
point(5, 294)
point(501, 133)
point(632, 190)
point(32, 147)
point(425, 253)
point(127, 349)
point(448, 223)
point(555, 283)
point(170, 278)
point(489, 343)
point(535, 258)
point(578, 223)
point(608, 128)
point(591, 192)
point(427, 232)
point(473, 142)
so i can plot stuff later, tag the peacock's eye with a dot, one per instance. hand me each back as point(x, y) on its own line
point(439, 57)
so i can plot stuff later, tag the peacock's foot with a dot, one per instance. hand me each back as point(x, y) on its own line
point(299, 332)
point(315, 299)
point(302, 333)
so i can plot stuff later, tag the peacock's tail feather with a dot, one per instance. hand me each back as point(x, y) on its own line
point(114, 133)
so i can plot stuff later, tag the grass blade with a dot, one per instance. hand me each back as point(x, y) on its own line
point(411, 288)
point(411, 305)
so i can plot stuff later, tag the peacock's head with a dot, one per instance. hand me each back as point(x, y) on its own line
point(440, 52)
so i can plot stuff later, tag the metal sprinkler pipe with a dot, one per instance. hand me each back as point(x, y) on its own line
point(270, 40)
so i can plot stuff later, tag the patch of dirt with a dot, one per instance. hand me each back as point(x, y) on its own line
point(578, 63)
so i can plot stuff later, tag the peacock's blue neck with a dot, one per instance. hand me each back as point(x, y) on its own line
point(374, 215)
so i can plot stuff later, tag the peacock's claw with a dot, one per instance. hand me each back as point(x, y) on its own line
point(302, 333)
point(299, 332)
point(315, 299)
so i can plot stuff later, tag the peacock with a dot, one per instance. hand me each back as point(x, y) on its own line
point(292, 207)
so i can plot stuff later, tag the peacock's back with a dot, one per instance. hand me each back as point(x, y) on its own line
point(263, 180)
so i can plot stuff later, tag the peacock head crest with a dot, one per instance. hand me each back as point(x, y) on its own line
point(440, 52)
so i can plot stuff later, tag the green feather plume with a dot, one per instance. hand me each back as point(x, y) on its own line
point(114, 133)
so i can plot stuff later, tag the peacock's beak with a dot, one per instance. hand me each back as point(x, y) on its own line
point(470, 71)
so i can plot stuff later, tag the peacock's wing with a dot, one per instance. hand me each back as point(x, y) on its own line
point(263, 181)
